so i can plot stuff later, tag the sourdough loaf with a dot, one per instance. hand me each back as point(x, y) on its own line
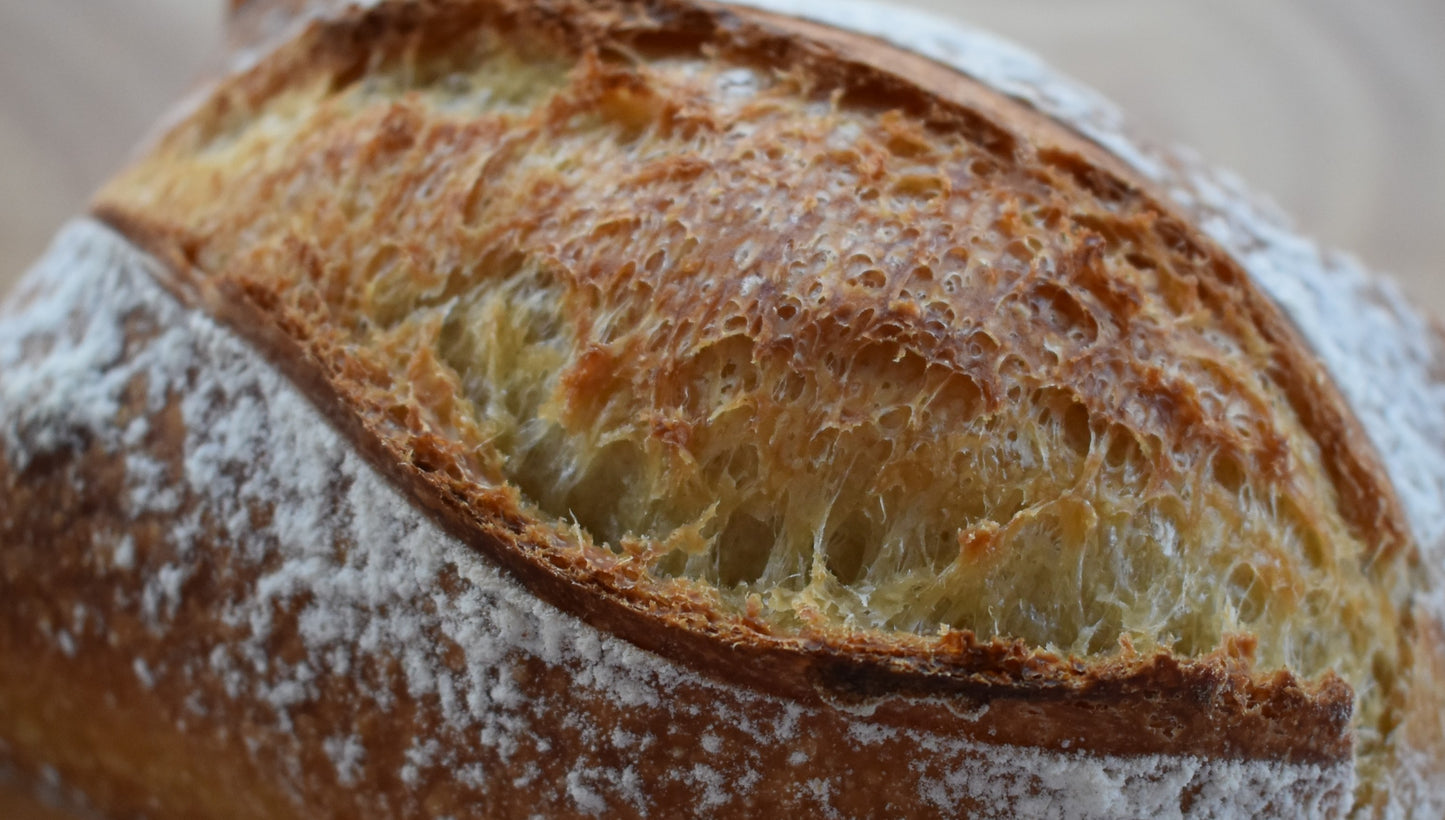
point(499, 408)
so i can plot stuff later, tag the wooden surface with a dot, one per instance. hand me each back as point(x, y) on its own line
point(1335, 108)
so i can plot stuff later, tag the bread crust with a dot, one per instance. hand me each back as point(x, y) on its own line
point(1217, 706)
point(1214, 706)
point(932, 92)
point(576, 722)
point(1229, 708)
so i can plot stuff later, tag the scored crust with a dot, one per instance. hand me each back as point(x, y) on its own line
point(614, 588)
point(1215, 704)
point(341, 655)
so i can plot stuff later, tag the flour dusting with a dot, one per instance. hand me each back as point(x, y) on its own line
point(354, 575)
point(348, 566)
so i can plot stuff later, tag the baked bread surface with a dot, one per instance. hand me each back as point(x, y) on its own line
point(345, 656)
point(860, 359)
point(800, 373)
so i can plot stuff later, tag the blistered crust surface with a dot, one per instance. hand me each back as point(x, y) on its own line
point(1382, 352)
point(1312, 287)
point(1386, 356)
point(857, 369)
point(192, 553)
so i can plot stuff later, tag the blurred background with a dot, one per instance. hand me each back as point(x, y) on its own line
point(1334, 108)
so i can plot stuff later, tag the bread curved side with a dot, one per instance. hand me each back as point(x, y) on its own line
point(398, 124)
point(1174, 764)
point(224, 611)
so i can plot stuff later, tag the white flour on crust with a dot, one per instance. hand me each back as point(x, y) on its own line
point(1385, 357)
point(360, 570)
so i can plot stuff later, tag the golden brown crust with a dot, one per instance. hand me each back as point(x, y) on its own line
point(1215, 706)
point(287, 294)
point(1231, 709)
point(1365, 490)
point(89, 660)
point(70, 710)
point(933, 93)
